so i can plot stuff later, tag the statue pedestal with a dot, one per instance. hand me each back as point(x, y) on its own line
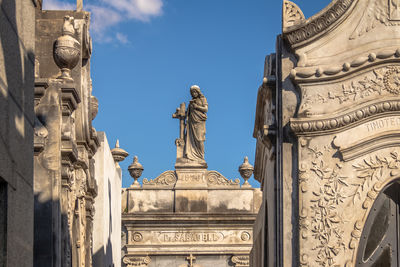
point(191, 175)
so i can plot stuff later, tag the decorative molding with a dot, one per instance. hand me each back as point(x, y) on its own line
point(334, 71)
point(375, 83)
point(241, 260)
point(298, 35)
point(136, 261)
point(327, 125)
point(369, 144)
point(166, 179)
point(291, 14)
point(214, 178)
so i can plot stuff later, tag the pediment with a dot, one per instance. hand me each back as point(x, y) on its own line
point(344, 36)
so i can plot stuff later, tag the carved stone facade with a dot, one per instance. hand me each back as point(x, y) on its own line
point(65, 141)
point(335, 148)
point(188, 217)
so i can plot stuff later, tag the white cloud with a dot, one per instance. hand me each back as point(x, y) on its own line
point(107, 14)
point(58, 5)
point(122, 38)
point(102, 18)
point(138, 9)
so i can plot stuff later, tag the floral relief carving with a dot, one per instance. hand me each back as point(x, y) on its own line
point(336, 203)
point(384, 80)
point(320, 216)
point(375, 169)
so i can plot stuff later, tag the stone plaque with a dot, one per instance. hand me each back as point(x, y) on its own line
point(190, 237)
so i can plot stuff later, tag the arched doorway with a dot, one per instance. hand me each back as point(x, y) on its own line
point(379, 243)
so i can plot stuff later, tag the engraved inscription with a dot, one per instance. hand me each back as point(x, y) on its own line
point(194, 177)
point(366, 130)
point(190, 237)
point(382, 123)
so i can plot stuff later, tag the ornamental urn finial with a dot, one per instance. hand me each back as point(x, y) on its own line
point(135, 170)
point(67, 49)
point(118, 153)
point(246, 170)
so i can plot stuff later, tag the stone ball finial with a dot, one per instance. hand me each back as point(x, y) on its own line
point(118, 153)
point(246, 170)
point(67, 49)
point(135, 170)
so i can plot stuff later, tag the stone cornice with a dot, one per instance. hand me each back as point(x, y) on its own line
point(320, 73)
point(300, 34)
point(306, 126)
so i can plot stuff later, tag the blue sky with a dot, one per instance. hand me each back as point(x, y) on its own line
point(146, 55)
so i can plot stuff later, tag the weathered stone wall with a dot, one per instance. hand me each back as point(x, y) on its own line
point(107, 218)
point(65, 141)
point(337, 131)
point(205, 216)
point(17, 46)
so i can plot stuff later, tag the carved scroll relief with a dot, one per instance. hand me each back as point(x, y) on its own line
point(335, 197)
point(326, 98)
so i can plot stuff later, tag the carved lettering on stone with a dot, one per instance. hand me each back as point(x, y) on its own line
point(190, 237)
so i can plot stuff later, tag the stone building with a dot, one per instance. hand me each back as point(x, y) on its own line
point(327, 129)
point(107, 217)
point(17, 119)
point(48, 177)
point(189, 216)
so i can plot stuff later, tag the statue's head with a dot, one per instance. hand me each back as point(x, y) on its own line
point(195, 91)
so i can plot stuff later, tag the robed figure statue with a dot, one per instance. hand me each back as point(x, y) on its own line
point(192, 130)
point(196, 126)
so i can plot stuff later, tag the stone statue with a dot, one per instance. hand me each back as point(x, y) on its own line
point(190, 145)
point(196, 125)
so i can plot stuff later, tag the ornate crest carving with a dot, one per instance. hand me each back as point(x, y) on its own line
point(167, 178)
point(291, 14)
point(313, 27)
point(214, 178)
point(377, 11)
